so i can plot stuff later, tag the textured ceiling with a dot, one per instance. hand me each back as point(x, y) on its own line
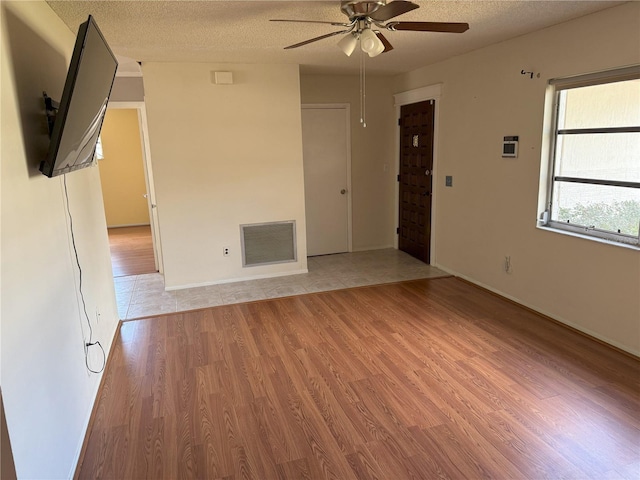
point(240, 31)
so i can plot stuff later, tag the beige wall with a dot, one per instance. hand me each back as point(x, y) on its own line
point(372, 153)
point(222, 156)
point(491, 210)
point(47, 391)
point(122, 170)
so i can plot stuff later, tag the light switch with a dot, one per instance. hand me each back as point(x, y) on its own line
point(448, 181)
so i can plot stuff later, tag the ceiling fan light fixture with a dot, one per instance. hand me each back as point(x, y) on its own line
point(370, 43)
point(348, 43)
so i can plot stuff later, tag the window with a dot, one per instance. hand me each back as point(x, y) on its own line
point(594, 184)
point(99, 154)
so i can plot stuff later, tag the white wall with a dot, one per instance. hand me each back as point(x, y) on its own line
point(223, 155)
point(48, 392)
point(372, 185)
point(491, 210)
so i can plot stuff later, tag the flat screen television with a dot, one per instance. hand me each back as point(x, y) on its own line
point(81, 110)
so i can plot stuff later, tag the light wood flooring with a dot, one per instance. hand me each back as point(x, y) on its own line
point(422, 379)
point(131, 251)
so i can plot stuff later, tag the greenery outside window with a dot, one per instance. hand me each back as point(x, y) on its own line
point(594, 178)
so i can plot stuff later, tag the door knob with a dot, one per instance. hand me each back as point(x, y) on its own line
point(343, 191)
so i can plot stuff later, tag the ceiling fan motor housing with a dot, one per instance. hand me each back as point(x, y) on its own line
point(354, 9)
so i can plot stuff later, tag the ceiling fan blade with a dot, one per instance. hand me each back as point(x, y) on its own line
point(336, 24)
point(387, 46)
point(393, 9)
point(321, 37)
point(449, 27)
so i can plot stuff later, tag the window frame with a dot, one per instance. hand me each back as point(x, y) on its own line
point(556, 87)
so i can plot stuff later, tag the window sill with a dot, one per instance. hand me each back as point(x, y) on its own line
point(589, 237)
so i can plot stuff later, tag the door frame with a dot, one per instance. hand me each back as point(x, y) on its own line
point(347, 111)
point(431, 92)
point(148, 175)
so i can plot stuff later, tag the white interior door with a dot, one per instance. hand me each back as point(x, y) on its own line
point(326, 156)
point(151, 193)
point(151, 190)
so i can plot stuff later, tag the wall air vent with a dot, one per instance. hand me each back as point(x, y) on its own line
point(268, 243)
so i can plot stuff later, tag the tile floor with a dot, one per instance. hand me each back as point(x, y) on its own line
point(144, 295)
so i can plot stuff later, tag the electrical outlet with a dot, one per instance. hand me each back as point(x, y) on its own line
point(226, 251)
point(448, 181)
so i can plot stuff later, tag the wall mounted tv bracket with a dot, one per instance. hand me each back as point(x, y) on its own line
point(51, 107)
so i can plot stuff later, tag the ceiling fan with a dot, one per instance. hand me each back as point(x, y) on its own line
point(367, 18)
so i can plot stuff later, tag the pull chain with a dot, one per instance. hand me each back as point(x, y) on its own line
point(363, 90)
point(360, 80)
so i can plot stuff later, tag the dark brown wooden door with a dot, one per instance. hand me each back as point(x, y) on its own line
point(416, 167)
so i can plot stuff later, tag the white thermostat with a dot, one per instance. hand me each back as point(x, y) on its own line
point(510, 147)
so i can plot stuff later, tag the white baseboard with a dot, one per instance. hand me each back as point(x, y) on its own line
point(366, 249)
point(238, 279)
point(130, 225)
point(94, 396)
point(544, 312)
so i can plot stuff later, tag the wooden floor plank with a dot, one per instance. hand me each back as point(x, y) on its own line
point(131, 250)
point(422, 379)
